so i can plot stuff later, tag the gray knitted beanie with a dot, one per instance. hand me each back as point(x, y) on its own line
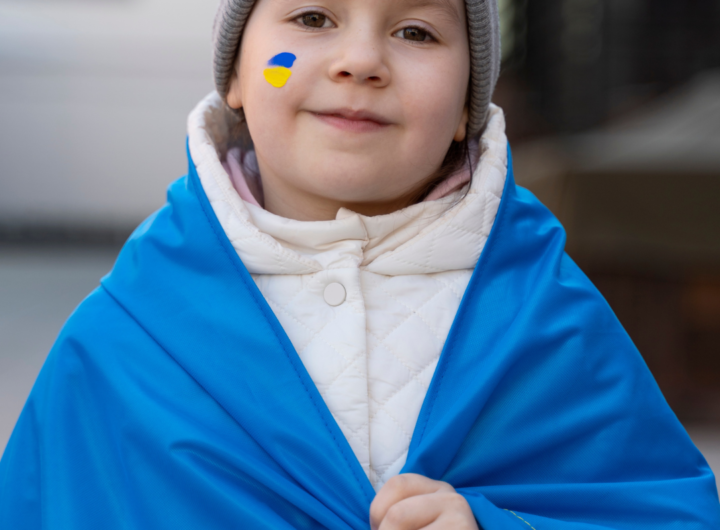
point(484, 34)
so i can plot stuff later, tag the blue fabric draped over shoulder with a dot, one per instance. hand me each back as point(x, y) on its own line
point(174, 399)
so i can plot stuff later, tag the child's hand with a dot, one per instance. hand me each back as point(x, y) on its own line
point(412, 502)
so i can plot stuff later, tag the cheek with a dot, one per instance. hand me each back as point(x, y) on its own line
point(439, 99)
point(270, 110)
point(433, 100)
point(433, 112)
point(266, 117)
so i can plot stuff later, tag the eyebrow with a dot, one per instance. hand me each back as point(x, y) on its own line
point(446, 6)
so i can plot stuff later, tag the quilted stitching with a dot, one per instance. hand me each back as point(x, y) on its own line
point(373, 379)
point(402, 360)
point(331, 343)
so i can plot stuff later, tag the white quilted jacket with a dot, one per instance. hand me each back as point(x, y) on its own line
point(367, 301)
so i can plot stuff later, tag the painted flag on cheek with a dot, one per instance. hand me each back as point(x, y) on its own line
point(278, 71)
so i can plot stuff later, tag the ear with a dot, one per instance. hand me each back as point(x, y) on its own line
point(462, 126)
point(234, 96)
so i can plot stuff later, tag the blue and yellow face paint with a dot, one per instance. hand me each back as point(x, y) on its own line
point(279, 71)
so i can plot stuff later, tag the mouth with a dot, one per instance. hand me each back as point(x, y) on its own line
point(353, 120)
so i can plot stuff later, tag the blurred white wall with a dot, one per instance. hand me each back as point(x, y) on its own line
point(94, 96)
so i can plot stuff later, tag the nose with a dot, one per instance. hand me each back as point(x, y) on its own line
point(361, 60)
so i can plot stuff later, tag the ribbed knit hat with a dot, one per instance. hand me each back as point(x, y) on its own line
point(484, 35)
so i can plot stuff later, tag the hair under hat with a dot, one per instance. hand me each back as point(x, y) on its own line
point(483, 33)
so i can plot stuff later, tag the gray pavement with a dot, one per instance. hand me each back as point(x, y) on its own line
point(39, 288)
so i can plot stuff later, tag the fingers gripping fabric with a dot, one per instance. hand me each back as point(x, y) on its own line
point(484, 39)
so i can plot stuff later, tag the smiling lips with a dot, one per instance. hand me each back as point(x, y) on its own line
point(353, 120)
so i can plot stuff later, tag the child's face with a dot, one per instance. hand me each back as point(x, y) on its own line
point(375, 96)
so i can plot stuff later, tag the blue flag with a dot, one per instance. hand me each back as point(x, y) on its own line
point(173, 399)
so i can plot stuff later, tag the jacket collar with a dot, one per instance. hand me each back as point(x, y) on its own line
point(435, 236)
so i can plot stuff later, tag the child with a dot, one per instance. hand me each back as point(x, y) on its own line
point(348, 316)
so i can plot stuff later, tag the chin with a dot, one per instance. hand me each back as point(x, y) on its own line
point(359, 189)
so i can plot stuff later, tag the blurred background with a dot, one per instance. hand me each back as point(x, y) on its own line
point(613, 111)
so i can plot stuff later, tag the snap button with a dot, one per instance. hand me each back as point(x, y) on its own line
point(334, 294)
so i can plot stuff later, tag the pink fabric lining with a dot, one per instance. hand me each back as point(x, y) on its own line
point(233, 164)
point(251, 191)
point(450, 185)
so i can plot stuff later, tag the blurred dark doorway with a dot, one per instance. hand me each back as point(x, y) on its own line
point(613, 111)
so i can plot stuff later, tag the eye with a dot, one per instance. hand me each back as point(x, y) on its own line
point(314, 20)
point(414, 34)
